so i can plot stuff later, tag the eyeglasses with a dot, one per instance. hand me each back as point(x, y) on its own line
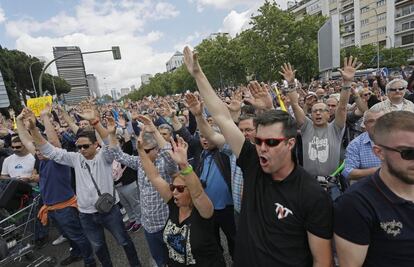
point(396, 89)
point(405, 153)
point(180, 188)
point(16, 147)
point(150, 149)
point(85, 146)
point(320, 110)
point(249, 130)
point(271, 142)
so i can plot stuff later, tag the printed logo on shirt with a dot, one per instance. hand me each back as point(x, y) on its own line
point(392, 228)
point(318, 149)
point(281, 211)
point(178, 243)
point(18, 166)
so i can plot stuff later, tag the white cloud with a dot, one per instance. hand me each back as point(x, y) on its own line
point(230, 4)
point(98, 27)
point(191, 40)
point(235, 22)
point(2, 16)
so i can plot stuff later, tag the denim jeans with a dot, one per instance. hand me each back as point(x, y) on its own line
point(94, 224)
point(157, 247)
point(129, 198)
point(67, 220)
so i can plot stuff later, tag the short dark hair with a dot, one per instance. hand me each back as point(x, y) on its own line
point(246, 116)
point(393, 121)
point(16, 139)
point(87, 134)
point(278, 116)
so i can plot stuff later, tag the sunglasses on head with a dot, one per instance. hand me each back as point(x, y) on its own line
point(16, 147)
point(86, 146)
point(272, 142)
point(150, 149)
point(405, 153)
point(180, 188)
point(396, 89)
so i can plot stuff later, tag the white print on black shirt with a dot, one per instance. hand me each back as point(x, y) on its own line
point(318, 149)
point(392, 227)
point(178, 243)
point(282, 212)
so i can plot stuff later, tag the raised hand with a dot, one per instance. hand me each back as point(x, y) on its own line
point(169, 111)
point(140, 142)
point(111, 125)
point(191, 61)
point(195, 106)
point(261, 97)
point(288, 73)
point(349, 69)
point(30, 117)
point(235, 102)
point(45, 112)
point(179, 150)
point(149, 126)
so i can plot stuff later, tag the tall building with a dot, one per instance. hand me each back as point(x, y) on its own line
point(387, 22)
point(124, 91)
point(114, 94)
point(72, 69)
point(93, 85)
point(145, 78)
point(175, 61)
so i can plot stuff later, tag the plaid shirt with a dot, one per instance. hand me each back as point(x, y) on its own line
point(387, 106)
point(154, 212)
point(359, 155)
point(236, 178)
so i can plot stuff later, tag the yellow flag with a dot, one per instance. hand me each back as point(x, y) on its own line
point(279, 98)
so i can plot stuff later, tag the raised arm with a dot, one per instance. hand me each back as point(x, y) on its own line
point(215, 106)
point(196, 108)
point(90, 114)
point(348, 73)
point(24, 134)
point(72, 125)
point(200, 199)
point(51, 134)
point(152, 173)
point(149, 127)
point(289, 74)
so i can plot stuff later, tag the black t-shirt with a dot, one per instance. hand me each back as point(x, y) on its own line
point(276, 215)
point(369, 213)
point(192, 241)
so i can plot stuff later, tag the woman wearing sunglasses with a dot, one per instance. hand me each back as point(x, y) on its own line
point(189, 231)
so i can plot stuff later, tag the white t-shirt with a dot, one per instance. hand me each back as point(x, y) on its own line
point(18, 167)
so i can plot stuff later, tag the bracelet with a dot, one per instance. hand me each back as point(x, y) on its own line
point(95, 122)
point(187, 170)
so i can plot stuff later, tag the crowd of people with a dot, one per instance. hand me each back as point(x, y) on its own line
point(292, 174)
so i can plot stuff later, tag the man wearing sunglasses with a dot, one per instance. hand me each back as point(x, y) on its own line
point(396, 90)
point(373, 220)
point(286, 217)
point(19, 165)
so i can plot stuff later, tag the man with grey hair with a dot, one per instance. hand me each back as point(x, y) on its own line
point(395, 92)
point(360, 160)
point(166, 131)
point(154, 212)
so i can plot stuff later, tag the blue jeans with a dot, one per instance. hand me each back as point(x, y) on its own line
point(94, 224)
point(157, 247)
point(67, 220)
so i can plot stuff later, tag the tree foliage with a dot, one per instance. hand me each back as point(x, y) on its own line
point(14, 66)
point(274, 37)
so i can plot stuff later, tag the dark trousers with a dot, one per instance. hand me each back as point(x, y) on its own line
point(224, 220)
point(67, 220)
point(94, 224)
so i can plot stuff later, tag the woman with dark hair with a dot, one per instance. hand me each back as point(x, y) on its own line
point(189, 232)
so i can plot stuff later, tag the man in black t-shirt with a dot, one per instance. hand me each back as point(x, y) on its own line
point(286, 217)
point(374, 223)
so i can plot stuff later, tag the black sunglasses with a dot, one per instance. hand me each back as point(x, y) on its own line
point(149, 149)
point(396, 89)
point(272, 142)
point(86, 146)
point(180, 188)
point(16, 147)
point(405, 153)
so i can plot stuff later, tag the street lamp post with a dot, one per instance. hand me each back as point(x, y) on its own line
point(391, 45)
point(378, 48)
point(115, 52)
point(31, 76)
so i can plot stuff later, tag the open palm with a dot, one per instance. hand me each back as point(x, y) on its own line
point(191, 61)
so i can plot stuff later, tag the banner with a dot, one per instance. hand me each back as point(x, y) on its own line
point(38, 104)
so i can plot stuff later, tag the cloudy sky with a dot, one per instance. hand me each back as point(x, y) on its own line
point(147, 31)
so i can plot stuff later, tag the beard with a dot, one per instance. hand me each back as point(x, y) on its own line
point(399, 174)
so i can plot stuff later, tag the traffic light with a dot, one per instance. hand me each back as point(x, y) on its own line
point(116, 52)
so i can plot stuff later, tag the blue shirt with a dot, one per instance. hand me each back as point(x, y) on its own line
point(55, 182)
point(217, 189)
point(359, 155)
